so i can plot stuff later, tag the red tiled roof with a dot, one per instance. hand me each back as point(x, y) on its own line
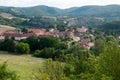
point(10, 32)
point(19, 35)
point(37, 30)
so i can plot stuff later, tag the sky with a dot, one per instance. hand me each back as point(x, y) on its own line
point(56, 3)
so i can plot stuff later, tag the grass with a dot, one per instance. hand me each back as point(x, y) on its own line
point(23, 65)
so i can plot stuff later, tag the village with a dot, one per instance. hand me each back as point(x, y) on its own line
point(79, 35)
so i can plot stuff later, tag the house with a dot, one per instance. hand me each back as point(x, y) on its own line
point(83, 29)
point(9, 32)
point(38, 32)
point(86, 43)
point(90, 44)
point(23, 36)
point(1, 36)
point(17, 36)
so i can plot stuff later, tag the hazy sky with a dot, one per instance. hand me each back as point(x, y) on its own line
point(56, 3)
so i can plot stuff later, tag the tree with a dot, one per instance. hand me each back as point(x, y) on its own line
point(98, 47)
point(24, 30)
point(33, 42)
point(39, 43)
point(109, 61)
point(22, 48)
point(48, 41)
point(45, 53)
point(8, 45)
point(51, 71)
point(78, 51)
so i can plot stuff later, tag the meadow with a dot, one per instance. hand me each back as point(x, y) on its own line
point(24, 65)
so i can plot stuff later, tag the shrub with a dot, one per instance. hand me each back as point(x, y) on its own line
point(49, 53)
point(22, 48)
point(5, 74)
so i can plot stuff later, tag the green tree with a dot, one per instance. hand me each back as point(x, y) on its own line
point(109, 61)
point(8, 45)
point(33, 42)
point(46, 53)
point(22, 48)
point(98, 47)
point(51, 71)
point(78, 51)
point(48, 41)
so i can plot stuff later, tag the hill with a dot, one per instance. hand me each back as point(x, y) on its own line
point(95, 11)
point(32, 11)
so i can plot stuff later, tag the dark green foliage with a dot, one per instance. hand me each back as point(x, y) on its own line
point(39, 43)
point(48, 53)
point(24, 30)
point(111, 28)
point(22, 48)
point(48, 41)
point(5, 74)
point(33, 42)
point(78, 51)
point(98, 47)
point(62, 46)
point(7, 45)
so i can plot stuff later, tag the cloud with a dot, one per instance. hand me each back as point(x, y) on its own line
point(56, 3)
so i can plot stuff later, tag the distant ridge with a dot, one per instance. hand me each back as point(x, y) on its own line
point(93, 11)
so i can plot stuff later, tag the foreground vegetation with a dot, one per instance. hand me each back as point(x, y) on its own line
point(76, 64)
point(84, 66)
point(24, 66)
point(66, 61)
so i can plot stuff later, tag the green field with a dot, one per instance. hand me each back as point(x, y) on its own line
point(24, 65)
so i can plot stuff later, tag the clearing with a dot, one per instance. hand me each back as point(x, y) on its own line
point(23, 65)
point(4, 28)
point(7, 15)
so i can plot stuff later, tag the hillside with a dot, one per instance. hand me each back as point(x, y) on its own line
point(32, 11)
point(6, 15)
point(23, 65)
point(94, 11)
point(4, 28)
point(111, 28)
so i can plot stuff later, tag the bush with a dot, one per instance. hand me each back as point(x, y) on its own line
point(22, 48)
point(5, 74)
point(45, 53)
point(51, 71)
point(49, 53)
